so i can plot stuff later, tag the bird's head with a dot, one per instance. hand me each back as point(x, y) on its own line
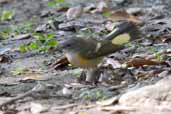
point(72, 44)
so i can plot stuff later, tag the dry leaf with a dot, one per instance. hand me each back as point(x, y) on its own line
point(61, 62)
point(164, 38)
point(5, 59)
point(138, 62)
point(119, 15)
point(62, 9)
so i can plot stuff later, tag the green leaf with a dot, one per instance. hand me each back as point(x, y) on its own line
point(106, 14)
point(51, 3)
point(33, 46)
point(23, 48)
point(52, 43)
point(82, 113)
point(5, 32)
point(41, 37)
point(7, 15)
point(59, 1)
point(50, 35)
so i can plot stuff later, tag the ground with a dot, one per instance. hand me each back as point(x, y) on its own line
point(20, 72)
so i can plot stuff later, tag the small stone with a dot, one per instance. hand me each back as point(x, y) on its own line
point(89, 7)
point(67, 91)
point(134, 10)
point(163, 74)
point(45, 13)
point(41, 28)
point(74, 12)
point(71, 26)
point(21, 37)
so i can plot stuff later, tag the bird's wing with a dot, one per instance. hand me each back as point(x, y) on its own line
point(100, 49)
point(124, 33)
point(125, 28)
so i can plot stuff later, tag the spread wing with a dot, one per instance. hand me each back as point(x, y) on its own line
point(124, 33)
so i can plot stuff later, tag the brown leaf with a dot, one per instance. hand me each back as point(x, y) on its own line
point(11, 111)
point(62, 9)
point(119, 15)
point(5, 59)
point(164, 38)
point(138, 62)
point(61, 62)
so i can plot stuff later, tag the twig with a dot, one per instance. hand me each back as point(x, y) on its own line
point(117, 108)
point(65, 106)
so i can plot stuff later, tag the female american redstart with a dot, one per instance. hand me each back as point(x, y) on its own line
point(88, 52)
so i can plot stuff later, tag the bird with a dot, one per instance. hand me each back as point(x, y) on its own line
point(87, 53)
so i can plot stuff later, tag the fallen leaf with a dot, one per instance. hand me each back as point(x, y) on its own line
point(61, 62)
point(119, 15)
point(164, 38)
point(10, 111)
point(62, 9)
point(138, 62)
point(5, 59)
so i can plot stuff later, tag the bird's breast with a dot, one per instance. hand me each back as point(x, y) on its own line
point(79, 61)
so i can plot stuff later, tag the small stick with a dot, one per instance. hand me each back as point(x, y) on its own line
point(65, 106)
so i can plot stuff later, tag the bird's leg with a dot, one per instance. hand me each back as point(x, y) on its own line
point(82, 77)
point(93, 75)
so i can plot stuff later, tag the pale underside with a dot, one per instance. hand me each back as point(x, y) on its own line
point(77, 60)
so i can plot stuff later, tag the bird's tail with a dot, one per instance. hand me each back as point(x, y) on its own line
point(123, 33)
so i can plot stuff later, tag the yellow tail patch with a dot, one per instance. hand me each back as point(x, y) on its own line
point(121, 39)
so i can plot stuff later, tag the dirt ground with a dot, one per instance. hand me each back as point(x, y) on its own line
point(21, 72)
